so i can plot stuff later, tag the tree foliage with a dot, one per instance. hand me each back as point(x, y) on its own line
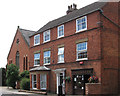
point(12, 75)
point(24, 74)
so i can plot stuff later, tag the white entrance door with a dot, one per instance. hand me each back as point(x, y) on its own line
point(43, 81)
point(61, 81)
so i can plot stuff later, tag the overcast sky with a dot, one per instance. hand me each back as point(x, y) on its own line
point(31, 15)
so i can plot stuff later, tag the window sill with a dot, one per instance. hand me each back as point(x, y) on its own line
point(46, 64)
point(60, 37)
point(61, 62)
point(36, 44)
point(36, 65)
point(81, 30)
point(46, 41)
point(82, 59)
point(34, 88)
point(43, 88)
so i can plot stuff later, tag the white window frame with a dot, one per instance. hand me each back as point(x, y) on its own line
point(38, 35)
point(81, 24)
point(46, 58)
point(36, 59)
point(33, 82)
point(60, 54)
point(43, 81)
point(58, 31)
point(44, 33)
point(80, 51)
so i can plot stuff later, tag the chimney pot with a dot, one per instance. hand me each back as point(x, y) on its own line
point(74, 6)
point(68, 7)
point(71, 8)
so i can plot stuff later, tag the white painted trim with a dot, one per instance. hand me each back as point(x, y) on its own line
point(77, 26)
point(44, 36)
point(33, 82)
point(46, 63)
point(39, 39)
point(58, 32)
point(82, 59)
point(58, 79)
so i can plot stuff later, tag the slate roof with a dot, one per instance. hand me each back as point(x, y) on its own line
point(26, 34)
point(40, 68)
point(73, 15)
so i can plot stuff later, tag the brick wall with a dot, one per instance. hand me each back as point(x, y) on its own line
point(109, 45)
point(93, 88)
point(69, 42)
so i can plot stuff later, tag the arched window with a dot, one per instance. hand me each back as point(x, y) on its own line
point(17, 59)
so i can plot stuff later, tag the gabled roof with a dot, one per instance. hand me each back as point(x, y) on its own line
point(26, 34)
point(73, 15)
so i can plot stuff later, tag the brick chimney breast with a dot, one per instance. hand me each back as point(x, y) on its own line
point(71, 8)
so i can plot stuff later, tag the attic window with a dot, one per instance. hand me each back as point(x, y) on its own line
point(17, 41)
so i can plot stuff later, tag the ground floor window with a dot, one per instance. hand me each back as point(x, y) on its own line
point(43, 81)
point(34, 81)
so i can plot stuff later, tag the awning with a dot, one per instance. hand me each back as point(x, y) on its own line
point(40, 68)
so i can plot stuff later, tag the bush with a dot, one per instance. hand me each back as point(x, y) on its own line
point(24, 74)
point(12, 75)
point(25, 84)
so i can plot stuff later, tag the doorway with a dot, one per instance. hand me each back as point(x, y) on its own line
point(79, 78)
point(79, 84)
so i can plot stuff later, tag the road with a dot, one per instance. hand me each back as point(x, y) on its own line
point(5, 91)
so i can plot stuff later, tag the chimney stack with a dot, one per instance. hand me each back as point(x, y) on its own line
point(71, 8)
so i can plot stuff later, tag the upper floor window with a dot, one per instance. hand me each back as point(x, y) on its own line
point(61, 55)
point(61, 31)
point(46, 36)
point(82, 51)
point(81, 24)
point(36, 59)
point(46, 57)
point(37, 39)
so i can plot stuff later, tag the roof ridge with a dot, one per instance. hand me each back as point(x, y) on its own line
point(26, 30)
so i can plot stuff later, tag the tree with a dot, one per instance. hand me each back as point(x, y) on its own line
point(12, 75)
point(24, 74)
point(3, 75)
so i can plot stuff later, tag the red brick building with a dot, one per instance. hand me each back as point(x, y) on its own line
point(19, 51)
point(70, 49)
point(80, 44)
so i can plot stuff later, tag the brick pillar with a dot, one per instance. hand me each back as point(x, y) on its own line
point(38, 81)
point(30, 81)
point(47, 82)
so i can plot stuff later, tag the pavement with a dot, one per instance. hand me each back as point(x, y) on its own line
point(8, 91)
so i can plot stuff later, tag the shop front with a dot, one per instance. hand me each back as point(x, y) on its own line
point(80, 78)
